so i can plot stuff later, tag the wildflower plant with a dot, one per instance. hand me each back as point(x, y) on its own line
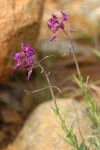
point(26, 59)
point(94, 112)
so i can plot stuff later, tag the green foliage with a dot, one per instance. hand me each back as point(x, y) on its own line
point(94, 112)
point(70, 136)
point(95, 142)
point(83, 146)
point(97, 53)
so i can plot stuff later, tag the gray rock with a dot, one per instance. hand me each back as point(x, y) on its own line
point(61, 46)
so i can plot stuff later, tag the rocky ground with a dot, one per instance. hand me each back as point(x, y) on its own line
point(16, 105)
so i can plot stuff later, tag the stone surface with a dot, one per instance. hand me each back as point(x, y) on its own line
point(43, 132)
point(19, 22)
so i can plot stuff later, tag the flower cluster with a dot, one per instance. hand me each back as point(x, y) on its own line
point(24, 58)
point(56, 23)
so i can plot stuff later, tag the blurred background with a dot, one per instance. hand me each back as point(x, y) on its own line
point(26, 21)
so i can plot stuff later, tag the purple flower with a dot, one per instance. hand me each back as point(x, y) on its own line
point(18, 56)
point(72, 30)
point(52, 23)
point(56, 23)
point(64, 16)
point(61, 25)
point(25, 57)
point(28, 62)
point(28, 51)
point(54, 19)
point(54, 16)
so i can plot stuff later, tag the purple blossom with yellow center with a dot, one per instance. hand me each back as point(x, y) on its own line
point(25, 58)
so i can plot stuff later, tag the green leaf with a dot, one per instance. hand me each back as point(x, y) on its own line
point(83, 146)
point(79, 80)
point(55, 110)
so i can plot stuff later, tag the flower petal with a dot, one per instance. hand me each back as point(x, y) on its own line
point(17, 56)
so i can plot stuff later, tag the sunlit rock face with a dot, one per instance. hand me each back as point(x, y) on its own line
point(19, 22)
point(42, 130)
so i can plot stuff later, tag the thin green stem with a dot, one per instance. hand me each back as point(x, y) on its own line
point(79, 74)
point(73, 52)
point(78, 121)
point(53, 97)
